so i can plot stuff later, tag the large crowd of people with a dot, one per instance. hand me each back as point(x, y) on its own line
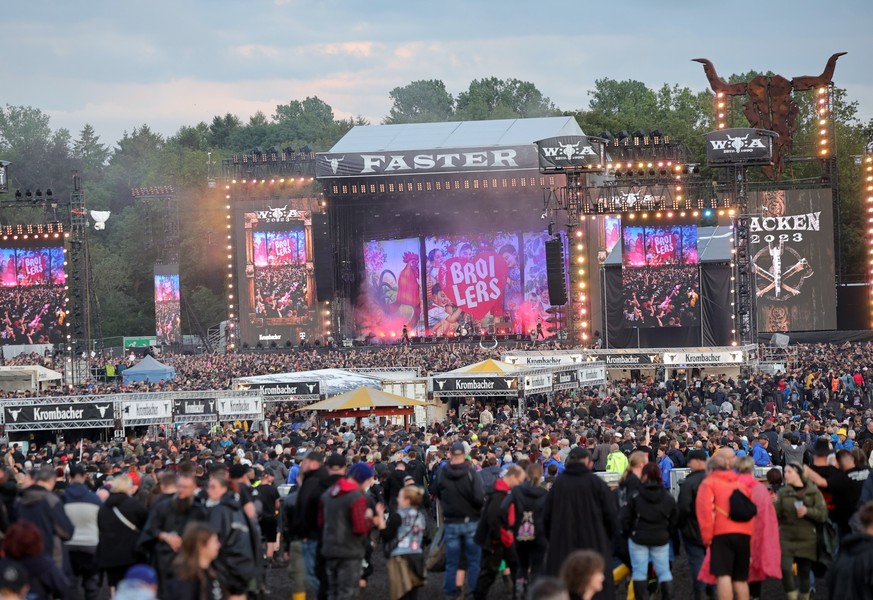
point(488, 501)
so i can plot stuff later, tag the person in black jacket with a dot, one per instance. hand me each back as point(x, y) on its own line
point(648, 519)
point(496, 540)
point(162, 535)
point(851, 576)
point(527, 501)
point(45, 510)
point(580, 513)
point(236, 564)
point(689, 528)
point(306, 513)
point(120, 521)
point(459, 490)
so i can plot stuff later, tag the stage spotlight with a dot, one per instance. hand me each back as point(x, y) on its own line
point(49, 194)
point(307, 149)
point(657, 137)
point(257, 151)
point(28, 194)
point(639, 135)
point(605, 135)
point(289, 150)
point(622, 136)
point(18, 194)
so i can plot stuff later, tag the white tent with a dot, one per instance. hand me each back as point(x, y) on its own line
point(26, 378)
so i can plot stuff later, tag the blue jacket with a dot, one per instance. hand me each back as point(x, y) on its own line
point(552, 461)
point(666, 466)
point(293, 472)
point(761, 456)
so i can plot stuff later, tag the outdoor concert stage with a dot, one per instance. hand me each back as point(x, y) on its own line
point(443, 228)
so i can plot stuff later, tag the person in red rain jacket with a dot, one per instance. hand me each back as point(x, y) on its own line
point(728, 541)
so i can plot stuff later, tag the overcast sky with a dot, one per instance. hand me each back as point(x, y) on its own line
point(118, 65)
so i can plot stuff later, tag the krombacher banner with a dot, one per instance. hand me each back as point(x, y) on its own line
point(59, 413)
point(475, 385)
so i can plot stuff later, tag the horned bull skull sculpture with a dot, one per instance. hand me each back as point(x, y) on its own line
point(769, 104)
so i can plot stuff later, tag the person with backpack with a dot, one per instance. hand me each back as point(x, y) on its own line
point(649, 519)
point(459, 489)
point(491, 535)
point(528, 500)
point(726, 527)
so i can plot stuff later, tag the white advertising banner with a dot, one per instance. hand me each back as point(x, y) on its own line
point(148, 409)
point(538, 383)
point(240, 406)
point(704, 358)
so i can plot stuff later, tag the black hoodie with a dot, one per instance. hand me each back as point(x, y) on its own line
point(529, 498)
point(650, 516)
point(460, 491)
point(851, 576)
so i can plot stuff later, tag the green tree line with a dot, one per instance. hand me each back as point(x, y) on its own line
point(123, 254)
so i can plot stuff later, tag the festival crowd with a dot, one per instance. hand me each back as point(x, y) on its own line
point(574, 498)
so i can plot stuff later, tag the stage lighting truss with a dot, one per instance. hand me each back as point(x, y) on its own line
point(643, 193)
point(35, 232)
point(157, 191)
point(268, 163)
point(231, 333)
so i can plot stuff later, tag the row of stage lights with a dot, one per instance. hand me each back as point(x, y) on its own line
point(274, 181)
point(155, 190)
point(638, 137)
point(584, 318)
point(669, 214)
point(32, 230)
point(274, 154)
point(35, 197)
point(868, 192)
point(231, 334)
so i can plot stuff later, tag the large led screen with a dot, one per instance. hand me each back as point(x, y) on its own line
point(32, 281)
point(391, 295)
point(660, 276)
point(792, 238)
point(277, 284)
point(455, 285)
point(168, 311)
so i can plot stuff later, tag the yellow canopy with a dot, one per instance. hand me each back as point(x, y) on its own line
point(490, 366)
point(363, 399)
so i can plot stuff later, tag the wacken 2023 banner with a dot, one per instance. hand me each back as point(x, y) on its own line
point(792, 239)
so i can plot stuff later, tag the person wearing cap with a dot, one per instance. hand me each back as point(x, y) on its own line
point(689, 527)
point(579, 513)
point(13, 580)
point(844, 442)
point(120, 521)
point(346, 520)
point(461, 494)
point(833, 483)
point(82, 505)
point(139, 583)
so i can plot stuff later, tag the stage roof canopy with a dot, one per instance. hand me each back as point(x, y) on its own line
point(713, 246)
point(454, 134)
